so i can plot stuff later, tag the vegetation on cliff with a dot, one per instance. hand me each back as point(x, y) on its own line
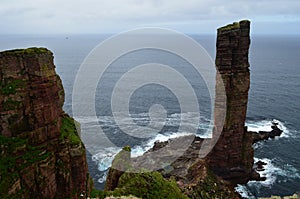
point(199, 182)
point(27, 51)
point(68, 131)
point(146, 185)
point(16, 155)
point(42, 155)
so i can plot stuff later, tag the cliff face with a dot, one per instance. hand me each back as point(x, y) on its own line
point(232, 156)
point(41, 153)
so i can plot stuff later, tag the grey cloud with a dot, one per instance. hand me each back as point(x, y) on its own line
point(117, 15)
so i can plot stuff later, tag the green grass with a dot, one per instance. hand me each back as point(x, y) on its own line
point(145, 185)
point(68, 130)
point(33, 50)
point(230, 26)
point(17, 154)
point(127, 148)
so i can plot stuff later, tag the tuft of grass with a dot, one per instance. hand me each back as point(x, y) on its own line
point(127, 148)
point(149, 185)
point(235, 25)
point(146, 185)
point(68, 130)
point(33, 50)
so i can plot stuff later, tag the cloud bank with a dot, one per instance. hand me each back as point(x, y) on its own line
point(189, 16)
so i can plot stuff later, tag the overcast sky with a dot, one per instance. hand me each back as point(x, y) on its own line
point(112, 16)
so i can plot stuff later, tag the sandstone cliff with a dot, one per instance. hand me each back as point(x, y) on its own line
point(42, 155)
point(232, 156)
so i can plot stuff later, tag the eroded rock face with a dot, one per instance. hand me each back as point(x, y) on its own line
point(31, 94)
point(265, 135)
point(41, 153)
point(232, 156)
point(188, 173)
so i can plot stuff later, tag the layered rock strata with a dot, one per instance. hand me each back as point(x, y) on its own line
point(232, 156)
point(265, 135)
point(42, 155)
point(231, 160)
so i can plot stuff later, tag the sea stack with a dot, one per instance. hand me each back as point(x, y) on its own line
point(232, 156)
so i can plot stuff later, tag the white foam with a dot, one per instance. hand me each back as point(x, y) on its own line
point(265, 125)
point(102, 179)
point(105, 157)
point(244, 192)
point(143, 119)
point(271, 172)
point(140, 150)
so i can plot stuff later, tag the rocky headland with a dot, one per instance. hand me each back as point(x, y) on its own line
point(231, 160)
point(42, 155)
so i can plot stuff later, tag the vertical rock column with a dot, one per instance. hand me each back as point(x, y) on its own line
point(232, 156)
point(42, 155)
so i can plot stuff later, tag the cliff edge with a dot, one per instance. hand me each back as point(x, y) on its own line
point(42, 155)
point(231, 159)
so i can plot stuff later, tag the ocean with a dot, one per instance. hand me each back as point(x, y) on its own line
point(274, 95)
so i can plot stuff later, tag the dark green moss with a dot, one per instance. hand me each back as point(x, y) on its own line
point(17, 154)
point(127, 148)
point(148, 185)
point(9, 86)
point(96, 193)
point(68, 130)
point(9, 144)
point(235, 25)
point(33, 50)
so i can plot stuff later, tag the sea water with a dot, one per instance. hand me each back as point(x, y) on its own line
point(274, 95)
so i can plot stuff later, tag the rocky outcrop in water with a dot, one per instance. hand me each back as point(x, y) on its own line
point(265, 135)
point(232, 156)
point(42, 155)
point(231, 159)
